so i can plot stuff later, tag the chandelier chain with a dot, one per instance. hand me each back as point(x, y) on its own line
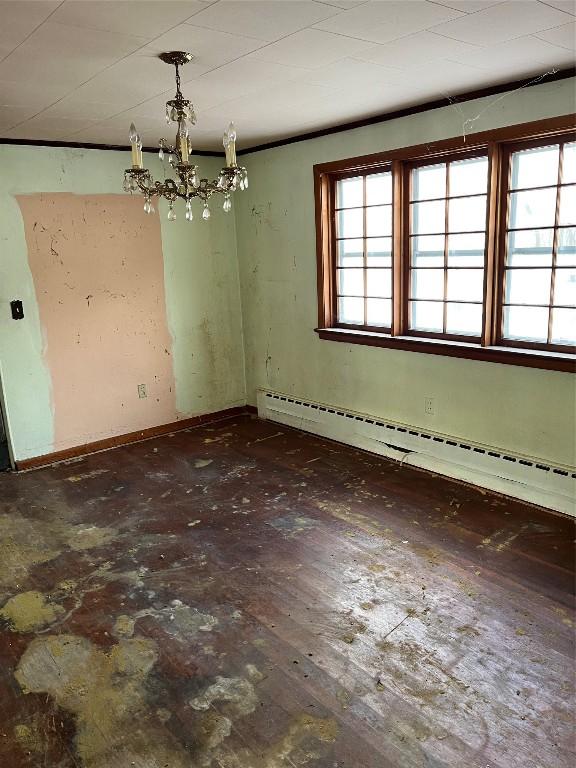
point(178, 91)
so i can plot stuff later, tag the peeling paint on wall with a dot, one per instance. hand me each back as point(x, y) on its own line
point(98, 273)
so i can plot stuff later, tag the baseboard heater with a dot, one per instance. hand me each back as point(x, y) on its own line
point(522, 477)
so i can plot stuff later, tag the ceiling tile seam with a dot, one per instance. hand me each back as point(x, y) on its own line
point(508, 40)
point(185, 82)
point(410, 34)
point(126, 56)
point(336, 128)
point(551, 29)
point(394, 115)
point(392, 40)
point(343, 10)
point(92, 28)
point(149, 42)
point(397, 70)
point(569, 18)
point(543, 2)
point(234, 34)
point(249, 37)
point(36, 28)
point(465, 14)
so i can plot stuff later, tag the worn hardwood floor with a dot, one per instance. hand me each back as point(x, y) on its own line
point(243, 595)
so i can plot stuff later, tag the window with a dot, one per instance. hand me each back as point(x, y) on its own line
point(364, 250)
point(540, 247)
point(447, 247)
point(464, 249)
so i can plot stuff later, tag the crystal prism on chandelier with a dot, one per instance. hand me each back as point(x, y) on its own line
point(188, 185)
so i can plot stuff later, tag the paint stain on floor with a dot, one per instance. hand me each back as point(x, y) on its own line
point(339, 624)
point(30, 611)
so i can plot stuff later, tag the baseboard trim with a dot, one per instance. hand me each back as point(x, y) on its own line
point(131, 437)
point(529, 479)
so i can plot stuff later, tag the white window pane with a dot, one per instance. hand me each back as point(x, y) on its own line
point(535, 167)
point(428, 217)
point(350, 253)
point(569, 163)
point(465, 284)
point(428, 283)
point(532, 209)
point(466, 214)
point(466, 250)
point(350, 193)
point(530, 248)
point(379, 312)
point(565, 287)
point(351, 223)
point(566, 255)
point(428, 251)
point(351, 282)
point(429, 182)
point(379, 221)
point(567, 206)
point(528, 286)
point(379, 282)
point(379, 251)
point(427, 316)
point(351, 311)
point(464, 318)
point(563, 326)
point(526, 323)
point(468, 177)
point(379, 188)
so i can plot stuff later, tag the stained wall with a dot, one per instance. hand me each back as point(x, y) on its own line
point(112, 299)
point(526, 410)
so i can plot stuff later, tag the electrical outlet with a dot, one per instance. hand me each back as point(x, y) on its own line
point(142, 391)
point(429, 406)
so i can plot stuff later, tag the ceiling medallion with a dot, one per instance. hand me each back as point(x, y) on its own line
point(188, 184)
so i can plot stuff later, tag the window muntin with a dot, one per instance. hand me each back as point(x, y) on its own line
point(363, 221)
point(499, 248)
point(539, 269)
point(447, 243)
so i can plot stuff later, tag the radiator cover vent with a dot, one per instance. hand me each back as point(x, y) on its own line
point(524, 477)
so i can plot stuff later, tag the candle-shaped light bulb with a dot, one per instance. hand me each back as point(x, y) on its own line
point(136, 143)
point(182, 140)
point(232, 143)
point(229, 142)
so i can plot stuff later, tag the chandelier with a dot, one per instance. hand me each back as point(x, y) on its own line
point(188, 185)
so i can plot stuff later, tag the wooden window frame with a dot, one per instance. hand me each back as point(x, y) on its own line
point(507, 151)
point(333, 180)
point(498, 144)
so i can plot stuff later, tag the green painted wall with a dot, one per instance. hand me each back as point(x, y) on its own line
point(201, 286)
point(526, 410)
point(270, 241)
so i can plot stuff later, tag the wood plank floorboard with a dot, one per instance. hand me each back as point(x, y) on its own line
point(245, 595)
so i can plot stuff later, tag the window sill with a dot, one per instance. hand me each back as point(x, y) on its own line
point(529, 358)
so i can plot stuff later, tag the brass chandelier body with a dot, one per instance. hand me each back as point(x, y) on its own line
point(188, 184)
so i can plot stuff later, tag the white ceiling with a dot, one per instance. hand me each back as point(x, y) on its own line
point(82, 70)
